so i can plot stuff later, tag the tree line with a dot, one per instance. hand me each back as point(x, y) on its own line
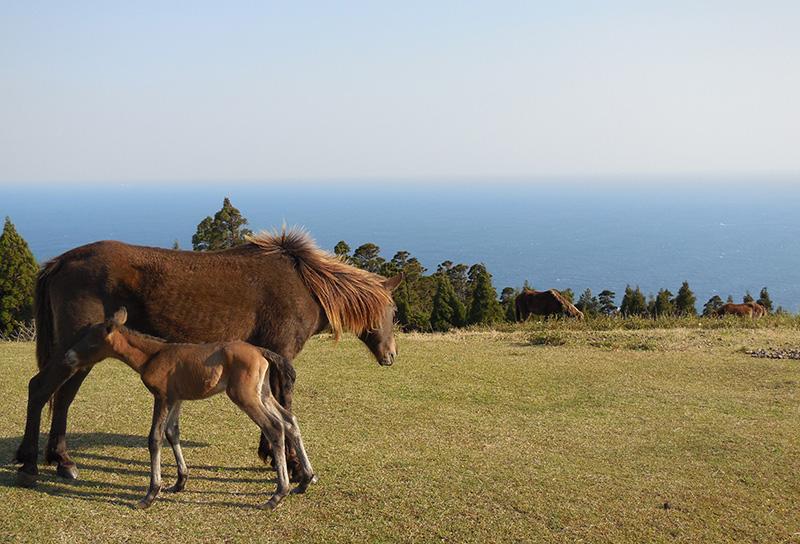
point(454, 295)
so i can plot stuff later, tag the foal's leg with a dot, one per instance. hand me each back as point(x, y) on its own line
point(243, 390)
point(160, 411)
point(173, 433)
point(295, 440)
point(40, 388)
point(283, 393)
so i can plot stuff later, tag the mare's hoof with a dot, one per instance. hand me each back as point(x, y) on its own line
point(67, 470)
point(141, 505)
point(25, 479)
point(177, 488)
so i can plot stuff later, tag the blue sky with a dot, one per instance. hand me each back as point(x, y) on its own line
point(152, 91)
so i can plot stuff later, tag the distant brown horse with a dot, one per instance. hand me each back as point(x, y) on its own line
point(544, 303)
point(276, 291)
point(174, 373)
point(746, 309)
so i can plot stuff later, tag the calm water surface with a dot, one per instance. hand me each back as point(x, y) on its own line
point(722, 238)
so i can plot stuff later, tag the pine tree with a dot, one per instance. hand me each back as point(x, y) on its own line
point(710, 308)
point(18, 271)
point(526, 286)
point(663, 305)
point(447, 310)
point(607, 304)
point(764, 300)
point(484, 308)
point(367, 257)
point(508, 298)
point(588, 304)
point(633, 302)
point(227, 229)
point(460, 281)
point(407, 296)
point(729, 300)
point(176, 245)
point(568, 294)
point(747, 297)
point(685, 301)
point(459, 278)
point(342, 250)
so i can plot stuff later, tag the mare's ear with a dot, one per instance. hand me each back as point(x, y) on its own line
point(392, 283)
point(120, 317)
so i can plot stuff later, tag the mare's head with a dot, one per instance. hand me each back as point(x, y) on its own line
point(98, 341)
point(380, 340)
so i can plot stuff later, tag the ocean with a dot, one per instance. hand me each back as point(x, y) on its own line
point(722, 237)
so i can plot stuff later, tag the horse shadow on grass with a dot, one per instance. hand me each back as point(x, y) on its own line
point(87, 451)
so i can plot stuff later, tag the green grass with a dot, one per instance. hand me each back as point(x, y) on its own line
point(663, 435)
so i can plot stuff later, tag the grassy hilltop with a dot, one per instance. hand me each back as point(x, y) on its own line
point(557, 433)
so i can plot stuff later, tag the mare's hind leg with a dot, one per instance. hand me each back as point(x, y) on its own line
point(40, 388)
point(56, 451)
point(173, 434)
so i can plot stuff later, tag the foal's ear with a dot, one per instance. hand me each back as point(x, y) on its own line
point(392, 283)
point(120, 317)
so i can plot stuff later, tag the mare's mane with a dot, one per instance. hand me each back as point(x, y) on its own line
point(353, 299)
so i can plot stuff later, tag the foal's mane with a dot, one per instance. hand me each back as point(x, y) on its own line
point(138, 334)
point(353, 299)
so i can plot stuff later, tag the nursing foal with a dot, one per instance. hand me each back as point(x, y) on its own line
point(177, 372)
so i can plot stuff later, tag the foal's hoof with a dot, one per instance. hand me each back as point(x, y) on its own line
point(143, 504)
point(25, 479)
point(177, 488)
point(67, 470)
point(304, 483)
point(272, 504)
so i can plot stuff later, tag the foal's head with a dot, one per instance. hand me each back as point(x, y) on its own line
point(380, 340)
point(98, 343)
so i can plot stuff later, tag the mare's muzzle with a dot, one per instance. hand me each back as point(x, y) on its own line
point(388, 360)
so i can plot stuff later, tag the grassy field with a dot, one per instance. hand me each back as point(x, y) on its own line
point(549, 435)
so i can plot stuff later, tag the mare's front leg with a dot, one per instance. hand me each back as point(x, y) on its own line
point(173, 433)
point(160, 411)
point(40, 388)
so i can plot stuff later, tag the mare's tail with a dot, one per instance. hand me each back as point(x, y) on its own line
point(43, 311)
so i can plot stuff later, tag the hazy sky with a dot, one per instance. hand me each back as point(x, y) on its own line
point(193, 90)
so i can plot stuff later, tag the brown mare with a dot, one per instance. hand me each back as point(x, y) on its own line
point(174, 373)
point(746, 309)
point(275, 292)
point(545, 303)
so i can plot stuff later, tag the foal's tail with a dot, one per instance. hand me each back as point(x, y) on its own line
point(284, 371)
